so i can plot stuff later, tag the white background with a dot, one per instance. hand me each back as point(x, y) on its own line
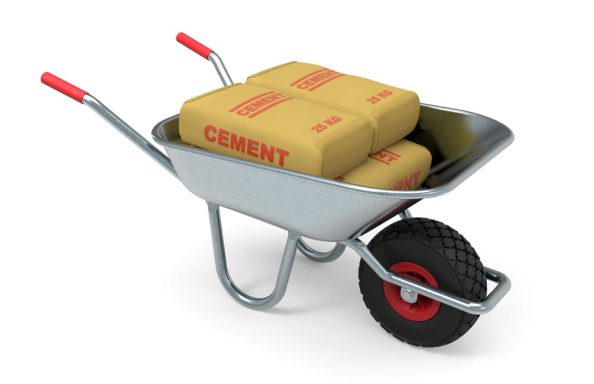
point(106, 269)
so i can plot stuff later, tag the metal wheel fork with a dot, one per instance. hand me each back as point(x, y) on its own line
point(242, 298)
point(406, 214)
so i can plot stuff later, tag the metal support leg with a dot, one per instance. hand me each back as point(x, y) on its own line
point(221, 266)
point(320, 257)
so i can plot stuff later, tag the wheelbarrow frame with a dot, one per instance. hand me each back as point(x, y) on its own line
point(184, 158)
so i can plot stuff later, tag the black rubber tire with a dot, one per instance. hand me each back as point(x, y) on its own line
point(443, 252)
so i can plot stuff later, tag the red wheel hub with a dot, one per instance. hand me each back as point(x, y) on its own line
point(424, 308)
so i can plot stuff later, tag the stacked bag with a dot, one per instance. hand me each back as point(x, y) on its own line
point(314, 120)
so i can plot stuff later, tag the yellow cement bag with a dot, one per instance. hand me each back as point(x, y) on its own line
point(265, 126)
point(393, 112)
point(401, 166)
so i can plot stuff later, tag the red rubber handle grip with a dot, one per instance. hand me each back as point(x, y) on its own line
point(194, 45)
point(65, 87)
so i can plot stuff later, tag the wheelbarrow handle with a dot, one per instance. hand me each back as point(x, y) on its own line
point(194, 45)
point(114, 120)
point(208, 54)
point(63, 86)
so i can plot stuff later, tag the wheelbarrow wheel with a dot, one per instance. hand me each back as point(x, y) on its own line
point(432, 253)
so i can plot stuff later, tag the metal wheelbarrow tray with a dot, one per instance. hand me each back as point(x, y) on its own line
point(325, 209)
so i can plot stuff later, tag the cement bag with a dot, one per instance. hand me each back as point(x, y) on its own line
point(401, 166)
point(392, 112)
point(265, 126)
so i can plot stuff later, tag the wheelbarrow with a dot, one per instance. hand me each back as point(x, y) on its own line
point(421, 280)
